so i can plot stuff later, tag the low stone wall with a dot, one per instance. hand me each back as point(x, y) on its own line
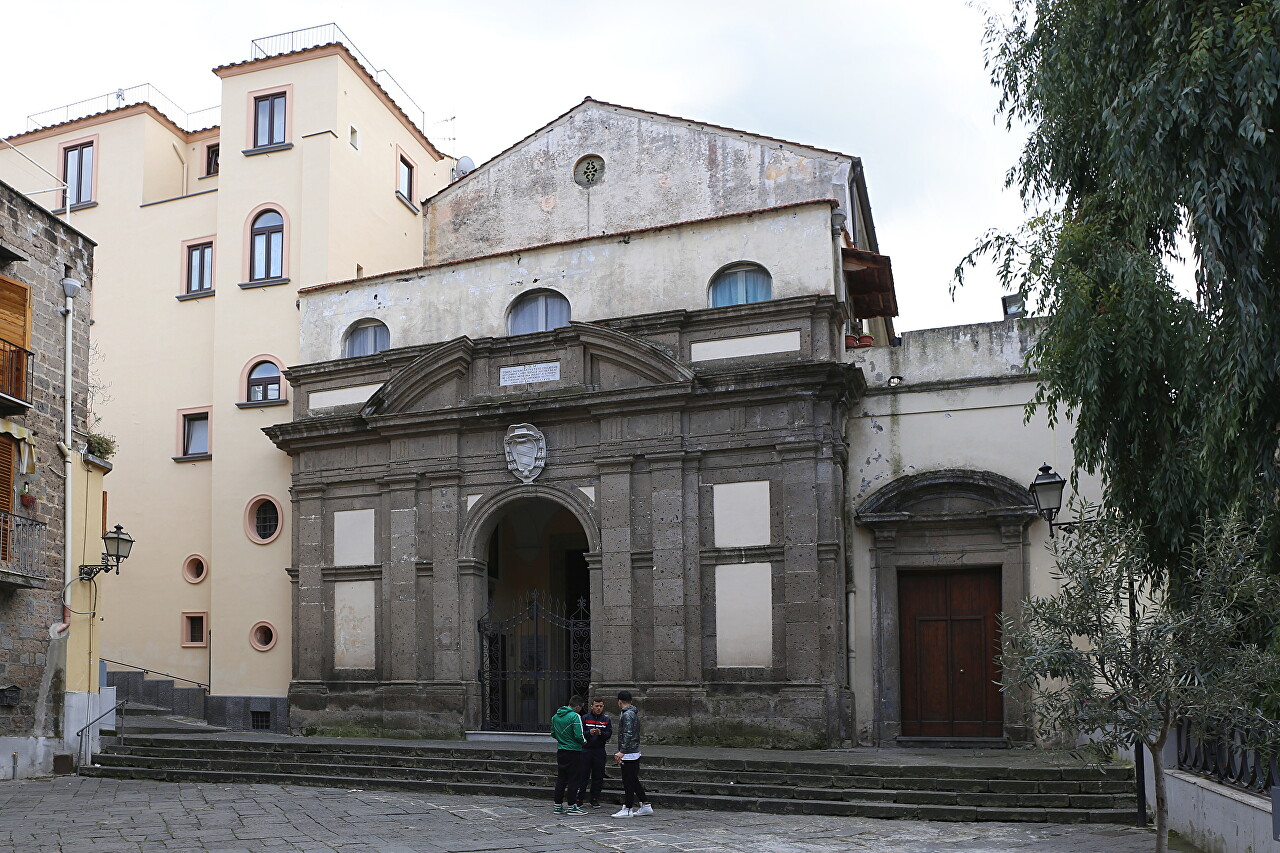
point(1214, 817)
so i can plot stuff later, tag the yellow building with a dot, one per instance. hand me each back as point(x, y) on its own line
point(204, 238)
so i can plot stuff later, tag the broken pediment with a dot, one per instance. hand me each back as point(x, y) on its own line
point(578, 358)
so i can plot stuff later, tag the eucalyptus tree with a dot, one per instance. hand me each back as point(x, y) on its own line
point(1152, 131)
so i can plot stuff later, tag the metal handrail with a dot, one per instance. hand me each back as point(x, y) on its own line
point(145, 671)
point(119, 706)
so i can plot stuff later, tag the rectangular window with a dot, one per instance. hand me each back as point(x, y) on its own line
point(404, 184)
point(195, 434)
point(77, 171)
point(200, 268)
point(211, 159)
point(261, 720)
point(195, 629)
point(268, 120)
point(354, 137)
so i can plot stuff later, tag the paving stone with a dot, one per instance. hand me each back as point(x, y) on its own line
point(105, 816)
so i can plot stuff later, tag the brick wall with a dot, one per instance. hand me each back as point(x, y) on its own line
point(38, 250)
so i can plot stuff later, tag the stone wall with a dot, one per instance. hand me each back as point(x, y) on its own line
point(38, 250)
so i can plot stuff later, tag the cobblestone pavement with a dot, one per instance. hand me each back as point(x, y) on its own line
point(107, 815)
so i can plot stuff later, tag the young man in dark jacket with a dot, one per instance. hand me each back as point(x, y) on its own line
point(635, 803)
point(566, 727)
point(598, 729)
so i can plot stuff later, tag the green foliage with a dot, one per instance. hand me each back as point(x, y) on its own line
point(1093, 673)
point(1150, 120)
point(101, 446)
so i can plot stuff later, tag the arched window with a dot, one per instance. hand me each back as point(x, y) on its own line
point(740, 284)
point(365, 338)
point(539, 311)
point(264, 383)
point(267, 246)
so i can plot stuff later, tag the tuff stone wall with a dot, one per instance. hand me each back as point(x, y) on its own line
point(39, 250)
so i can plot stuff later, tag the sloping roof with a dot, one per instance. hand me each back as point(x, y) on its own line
point(868, 279)
point(333, 48)
point(664, 116)
point(118, 112)
point(610, 236)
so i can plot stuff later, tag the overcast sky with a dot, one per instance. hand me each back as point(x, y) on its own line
point(899, 84)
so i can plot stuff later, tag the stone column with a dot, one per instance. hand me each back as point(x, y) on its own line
point(616, 664)
point(446, 590)
point(692, 566)
point(399, 576)
point(310, 622)
point(666, 473)
point(799, 508)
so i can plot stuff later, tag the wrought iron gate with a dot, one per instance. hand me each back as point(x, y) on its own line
point(532, 660)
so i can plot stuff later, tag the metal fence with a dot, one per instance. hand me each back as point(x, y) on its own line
point(1231, 760)
point(21, 544)
point(142, 93)
point(302, 39)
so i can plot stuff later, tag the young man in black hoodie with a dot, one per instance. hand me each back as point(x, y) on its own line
point(598, 729)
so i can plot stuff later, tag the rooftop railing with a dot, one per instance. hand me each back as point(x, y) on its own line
point(302, 39)
point(143, 93)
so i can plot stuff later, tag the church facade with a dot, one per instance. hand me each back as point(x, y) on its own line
point(613, 435)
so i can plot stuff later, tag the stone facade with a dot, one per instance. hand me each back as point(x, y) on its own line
point(685, 476)
point(38, 251)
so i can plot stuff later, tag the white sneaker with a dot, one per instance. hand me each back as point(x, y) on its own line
point(644, 809)
point(625, 812)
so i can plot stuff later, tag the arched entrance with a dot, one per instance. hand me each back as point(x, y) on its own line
point(535, 636)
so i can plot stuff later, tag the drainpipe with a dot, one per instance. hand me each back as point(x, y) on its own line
point(70, 287)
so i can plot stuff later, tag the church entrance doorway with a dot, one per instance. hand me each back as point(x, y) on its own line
point(535, 638)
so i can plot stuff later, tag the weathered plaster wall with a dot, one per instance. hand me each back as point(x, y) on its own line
point(664, 269)
point(657, 170)
point(49, 250)
point(960, 405)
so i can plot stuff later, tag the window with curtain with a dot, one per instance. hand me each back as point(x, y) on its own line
point(267, 246)
point(366, 338)
point(741, 284)
point(538, 312)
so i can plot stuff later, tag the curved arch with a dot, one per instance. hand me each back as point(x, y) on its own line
point(254, 362)
point(747, 296)
point(645, 358)
point(246, 263)
point(905, 494)
point(529, 295)
point(374, 344)
point(449, 360)
point(488, 511)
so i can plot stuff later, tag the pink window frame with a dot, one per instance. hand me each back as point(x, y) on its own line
point(97, 162)
point(181, 428)
point(247, 260)
point(213, 274)
point(287, 91)
point(186, 644)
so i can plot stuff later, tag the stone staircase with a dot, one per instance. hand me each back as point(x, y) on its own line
point(159, 693)
point(827, 783)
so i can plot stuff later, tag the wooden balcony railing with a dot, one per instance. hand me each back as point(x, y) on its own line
point(15, 372)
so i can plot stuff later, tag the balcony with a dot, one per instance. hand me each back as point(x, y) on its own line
point(21, 545)
point(15, 379)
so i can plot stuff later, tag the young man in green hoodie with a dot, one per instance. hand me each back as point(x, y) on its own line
point(566, 726)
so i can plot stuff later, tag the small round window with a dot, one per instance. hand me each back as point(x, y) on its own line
point(262, 519)
point(262, 636)
point(195, 569)
point(589, 171)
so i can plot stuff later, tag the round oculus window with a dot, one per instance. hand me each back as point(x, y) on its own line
point(194, 569)
point(589, 171)
point(262, 636)
point(262, 521)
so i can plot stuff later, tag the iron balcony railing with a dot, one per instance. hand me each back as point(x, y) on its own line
point(1232, 760)
point(21, 544)
point(15, 372)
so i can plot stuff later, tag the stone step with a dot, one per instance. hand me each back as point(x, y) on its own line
point(715, 801)
point(659, 782)
point(542, 764)
point(159, 723)
point(489, 752)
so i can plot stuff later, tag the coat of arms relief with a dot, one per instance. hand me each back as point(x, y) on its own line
point(526, 451)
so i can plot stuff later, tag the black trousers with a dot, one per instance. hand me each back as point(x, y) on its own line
point(569, 766)
point(593, 772)
point(632, 790)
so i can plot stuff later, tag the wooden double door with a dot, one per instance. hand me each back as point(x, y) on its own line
point(949, 639)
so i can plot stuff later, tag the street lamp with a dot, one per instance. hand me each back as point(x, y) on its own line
point(117, 546)
point(1046, 491)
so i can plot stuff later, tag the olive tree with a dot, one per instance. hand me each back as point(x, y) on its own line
point(1107, 663)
